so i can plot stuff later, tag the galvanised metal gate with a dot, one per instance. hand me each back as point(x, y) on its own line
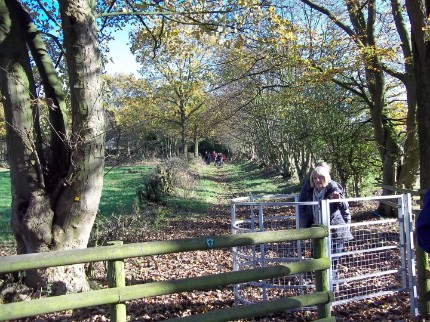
point(378, 261)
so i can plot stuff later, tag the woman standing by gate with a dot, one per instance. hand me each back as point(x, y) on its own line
point(322, 187)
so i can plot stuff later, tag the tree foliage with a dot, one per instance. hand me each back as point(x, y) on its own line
point(181, 75)
point(286, 82)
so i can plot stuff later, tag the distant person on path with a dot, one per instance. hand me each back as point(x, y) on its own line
point(207, 157)
point(423, 224)
point(214, 154)
point(322, 187)
point(218, 159)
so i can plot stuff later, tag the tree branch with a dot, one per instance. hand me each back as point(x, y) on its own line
point(53, 91)
point(333, 18)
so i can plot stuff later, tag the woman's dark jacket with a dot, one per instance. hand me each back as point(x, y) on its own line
point(339, 211)
point(423, 224)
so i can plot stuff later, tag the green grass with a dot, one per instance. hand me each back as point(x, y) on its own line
point(215, 185)
point(208, 189)
point(5, 203)
point(201, 197)
point(120, 188)
point(118, 195)
point(250, 180)
point(219, 185)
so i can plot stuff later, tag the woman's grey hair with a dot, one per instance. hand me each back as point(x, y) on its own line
point(323, 164)
point(320, 171)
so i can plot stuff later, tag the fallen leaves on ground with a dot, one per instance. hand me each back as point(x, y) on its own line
point(199, 263)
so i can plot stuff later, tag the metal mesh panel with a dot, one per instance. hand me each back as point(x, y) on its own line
point(370, 264)
point(373, 263)
point(258, 217)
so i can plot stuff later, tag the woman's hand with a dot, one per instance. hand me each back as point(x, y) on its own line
point(335, 195)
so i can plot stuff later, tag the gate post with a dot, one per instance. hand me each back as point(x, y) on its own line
point(423, 268)
point(409, 262)
point(325, 220)
point(116, 278)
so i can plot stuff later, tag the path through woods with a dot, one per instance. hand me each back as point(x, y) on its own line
point(175, 266)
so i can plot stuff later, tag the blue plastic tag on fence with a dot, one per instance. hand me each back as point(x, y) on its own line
point(209, 243)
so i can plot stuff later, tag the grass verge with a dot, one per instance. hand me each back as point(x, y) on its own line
point(5, 203)
point(120, 188)
point(247, 179)
point(209, 187)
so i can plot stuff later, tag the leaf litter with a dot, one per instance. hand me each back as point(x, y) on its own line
point(199, 263)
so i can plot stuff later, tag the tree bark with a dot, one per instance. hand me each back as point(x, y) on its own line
point(418, 11)
point(196, 144)
point(54, 204)
point(408, 169)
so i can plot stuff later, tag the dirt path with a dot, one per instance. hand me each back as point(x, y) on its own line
point(220, 175)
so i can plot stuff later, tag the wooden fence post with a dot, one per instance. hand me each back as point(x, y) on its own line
point(321, 278)
point(116, 278)
point(423, 282)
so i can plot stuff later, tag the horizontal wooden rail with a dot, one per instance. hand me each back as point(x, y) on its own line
point(262, 308)
point(115, 252)
point(120, 294)
point(390, 203)
point(403, 190)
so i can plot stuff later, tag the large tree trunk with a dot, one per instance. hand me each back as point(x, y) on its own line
point(184, 125)
point(302, 160)
point(418, 11)
point(387, 145)
point(196, 146)
point(54, 204)
point(408, 169)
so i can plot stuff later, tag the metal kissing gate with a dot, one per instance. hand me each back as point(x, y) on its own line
point(378, 261)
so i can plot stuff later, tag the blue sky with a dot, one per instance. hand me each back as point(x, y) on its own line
point(124, 61)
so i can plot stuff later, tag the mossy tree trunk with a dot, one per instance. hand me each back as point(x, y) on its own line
point(56, 184)
point(419, 11)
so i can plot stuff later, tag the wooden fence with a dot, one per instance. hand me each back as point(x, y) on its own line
point(118, 293)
